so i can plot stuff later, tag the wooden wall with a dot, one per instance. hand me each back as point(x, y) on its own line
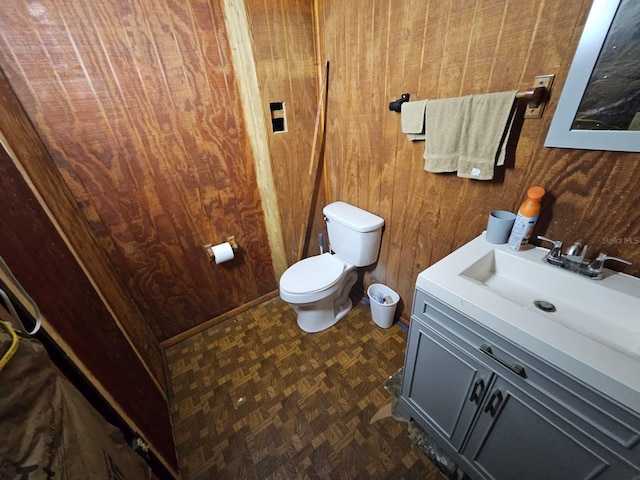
point(435, 49)
point(75, 316)
point(31, 157)
point(138, 106)
point(139, 109)
point(283, 40)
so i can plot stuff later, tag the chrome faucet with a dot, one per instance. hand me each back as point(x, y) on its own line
point(574, 259)
point(575, 256)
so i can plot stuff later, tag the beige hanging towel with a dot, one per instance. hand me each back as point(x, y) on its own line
point(485, 133)
point(444, 122)
point(412, 119)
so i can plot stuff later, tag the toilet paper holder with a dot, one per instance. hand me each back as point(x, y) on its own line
point(208, 248)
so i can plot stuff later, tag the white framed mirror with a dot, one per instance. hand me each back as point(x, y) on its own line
point(599, 108)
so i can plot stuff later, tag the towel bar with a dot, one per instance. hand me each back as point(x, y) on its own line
point(534, 98)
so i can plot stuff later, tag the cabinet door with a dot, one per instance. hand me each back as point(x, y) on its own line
point(442, 383)
point(516, 437)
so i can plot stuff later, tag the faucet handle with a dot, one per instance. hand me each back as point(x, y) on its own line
point(556, 243)
point(603, 257)
point(555, 254)
point(594, 270)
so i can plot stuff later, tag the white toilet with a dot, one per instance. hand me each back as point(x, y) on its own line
point(318, 287)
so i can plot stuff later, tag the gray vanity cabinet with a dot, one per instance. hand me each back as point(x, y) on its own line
point(462, 384)
point(484, 406)
point(515, 437)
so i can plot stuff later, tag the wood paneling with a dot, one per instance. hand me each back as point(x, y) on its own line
point(30, 154)
point(73, 311)
point(237, 25)
point(282, 36)
point(138, 106)
point(435, 49)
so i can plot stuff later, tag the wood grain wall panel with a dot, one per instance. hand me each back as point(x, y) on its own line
point(434, 49)
point(32, 156)
point(72, 310)
point(282, 38)
point(138, 105)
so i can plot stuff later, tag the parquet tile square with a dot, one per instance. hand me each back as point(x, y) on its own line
point(257, 398)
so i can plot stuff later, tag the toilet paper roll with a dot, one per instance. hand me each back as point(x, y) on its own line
point(222, 252)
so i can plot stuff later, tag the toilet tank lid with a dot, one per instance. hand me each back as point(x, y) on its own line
point(353, 217)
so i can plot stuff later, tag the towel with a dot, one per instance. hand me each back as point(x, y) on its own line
point(444, 122)
point(412, 119)
point(485, 133)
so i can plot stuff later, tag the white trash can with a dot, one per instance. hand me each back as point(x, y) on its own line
point(383, 303)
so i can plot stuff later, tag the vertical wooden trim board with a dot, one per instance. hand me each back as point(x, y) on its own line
point(235, 18)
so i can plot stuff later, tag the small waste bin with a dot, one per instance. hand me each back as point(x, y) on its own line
point(383, 303)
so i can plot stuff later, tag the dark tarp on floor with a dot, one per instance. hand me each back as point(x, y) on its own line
point(48, 430)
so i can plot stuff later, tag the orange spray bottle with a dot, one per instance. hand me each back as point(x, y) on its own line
point(526, 219)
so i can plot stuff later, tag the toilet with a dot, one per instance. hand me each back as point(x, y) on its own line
point(318, 287)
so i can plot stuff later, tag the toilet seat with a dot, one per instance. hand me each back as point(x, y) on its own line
point(312, 274)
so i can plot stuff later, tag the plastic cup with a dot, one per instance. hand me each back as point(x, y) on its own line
point(499, 226)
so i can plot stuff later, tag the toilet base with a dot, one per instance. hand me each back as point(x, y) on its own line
point(323, 314)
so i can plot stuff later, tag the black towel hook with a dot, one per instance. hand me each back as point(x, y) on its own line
point(396, 106)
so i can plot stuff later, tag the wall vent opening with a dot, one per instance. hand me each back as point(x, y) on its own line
point(278, 117)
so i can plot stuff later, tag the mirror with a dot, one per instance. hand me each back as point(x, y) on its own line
point(599, 108)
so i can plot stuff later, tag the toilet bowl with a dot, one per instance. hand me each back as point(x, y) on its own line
point(317, 288)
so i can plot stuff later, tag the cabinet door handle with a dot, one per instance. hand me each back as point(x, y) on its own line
point(494, 403)
point(514, 367)
point(476, 393)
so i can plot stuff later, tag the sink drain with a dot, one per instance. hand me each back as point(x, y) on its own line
point(545, 306)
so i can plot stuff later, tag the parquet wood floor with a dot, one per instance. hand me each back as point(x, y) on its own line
point(257, 398)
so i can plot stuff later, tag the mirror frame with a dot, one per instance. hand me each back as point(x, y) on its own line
point(560, 133)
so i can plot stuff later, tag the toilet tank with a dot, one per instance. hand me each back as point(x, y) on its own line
point(354, 234)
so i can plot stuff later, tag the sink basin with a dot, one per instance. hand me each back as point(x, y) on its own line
point(589, 328)
point(608, 315)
